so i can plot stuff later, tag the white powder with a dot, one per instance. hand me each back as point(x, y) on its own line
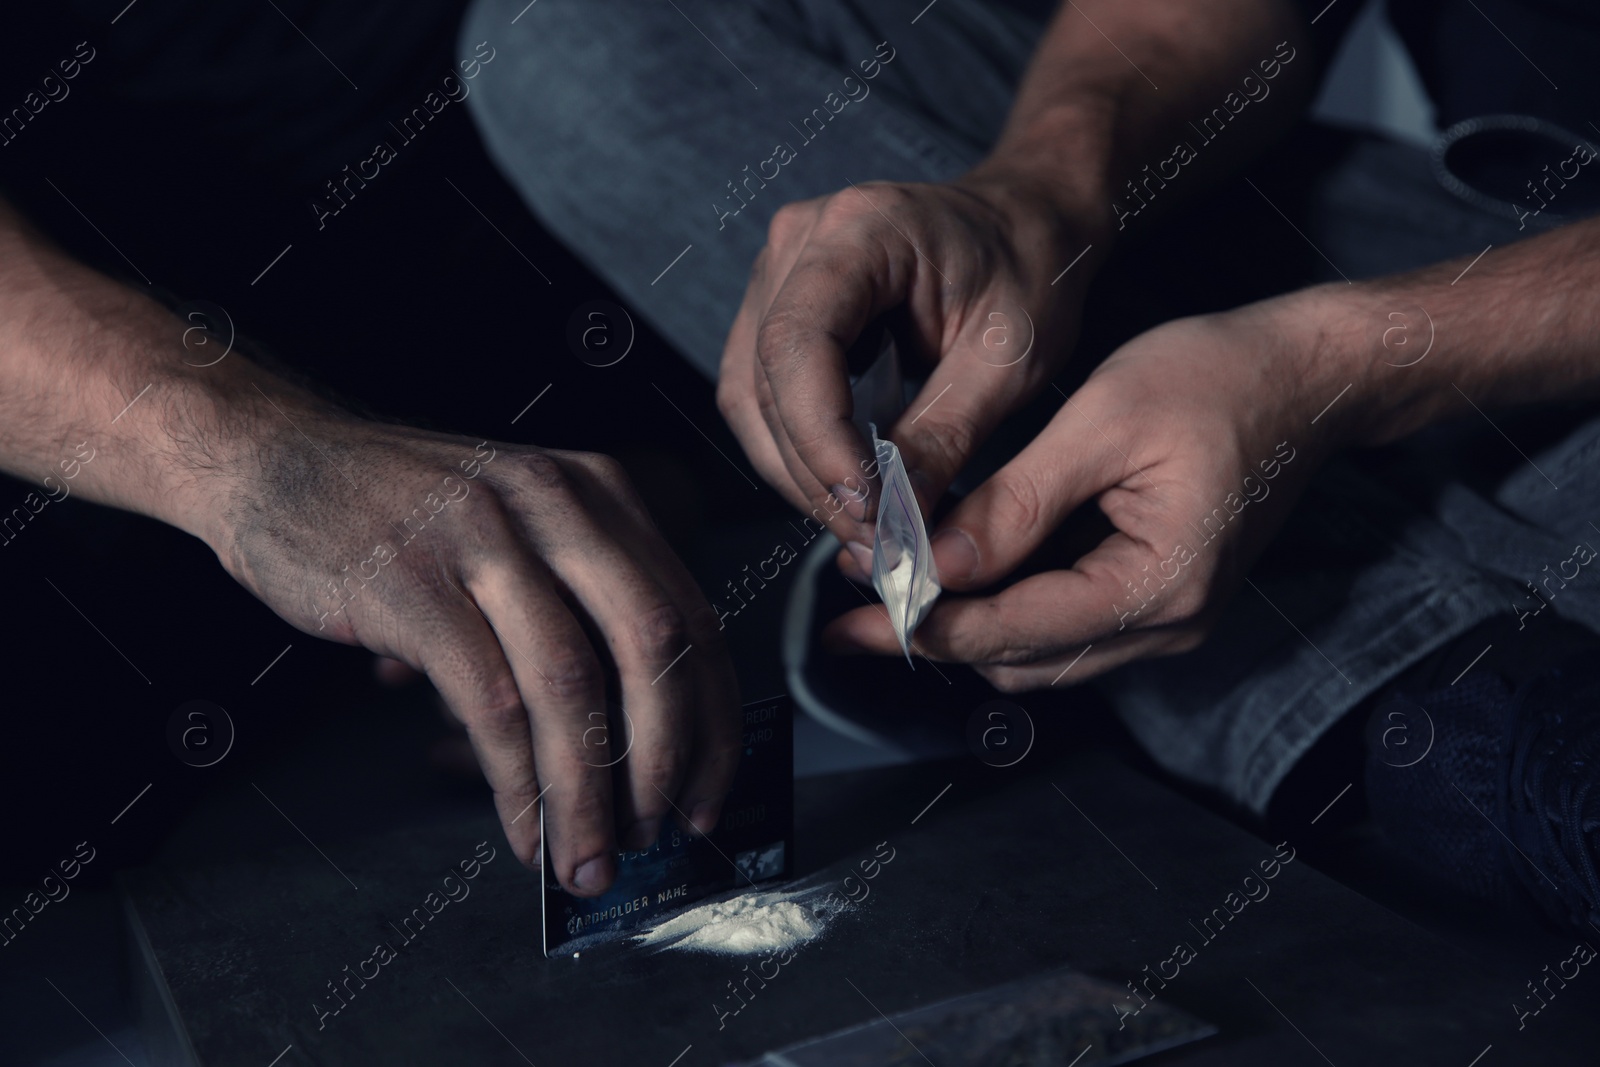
point(744, 925)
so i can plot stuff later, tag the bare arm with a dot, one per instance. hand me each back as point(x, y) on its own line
point(76, 350)
point(1522, 326)
point(478, 563)
point(1114, 88)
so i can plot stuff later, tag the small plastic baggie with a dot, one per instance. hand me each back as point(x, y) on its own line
point(902, 560)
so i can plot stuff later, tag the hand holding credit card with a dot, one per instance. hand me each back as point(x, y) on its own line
point(752, 843)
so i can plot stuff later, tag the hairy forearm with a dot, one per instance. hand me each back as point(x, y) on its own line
point(1115, 89)
point(100, 397)
point(1521, 326)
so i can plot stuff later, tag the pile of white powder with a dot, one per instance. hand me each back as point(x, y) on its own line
point(745, 925)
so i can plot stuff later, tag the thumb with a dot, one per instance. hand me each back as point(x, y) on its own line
point(1011, 514)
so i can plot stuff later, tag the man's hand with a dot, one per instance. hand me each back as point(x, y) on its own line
point(511, 575)
point(965, 268)
point(970, 273)
point(1194, 439)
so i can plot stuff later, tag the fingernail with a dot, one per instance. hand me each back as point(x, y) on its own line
point(862, 556)
point(594, 876)
point(854, 500)
point(955, 555)
point(642, 834)
point(704, 816)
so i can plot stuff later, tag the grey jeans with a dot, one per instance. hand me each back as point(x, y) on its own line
point(657, 139)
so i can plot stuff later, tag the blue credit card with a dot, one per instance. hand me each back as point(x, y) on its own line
point(753, 842)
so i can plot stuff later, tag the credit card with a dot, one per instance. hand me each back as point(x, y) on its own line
point(753, 843)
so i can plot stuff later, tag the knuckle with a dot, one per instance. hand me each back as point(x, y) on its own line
point(593, 468)
point(1188, 601)
point(541, 472)
point(653, 774)
point(1015, 656)
point(874, 208)
point(607, 469)
point(572, 674)
point(949, 444)
point(1018, 638)
point(501, 717)
point(809, 440)
point(747, 410)
point(864, 202)
point(838, 211)
point(730, 399)
point(777, 339)
point(518, 795)
point(1019, 504)
point(786, 222)
point(486, 514)
point(660, 633)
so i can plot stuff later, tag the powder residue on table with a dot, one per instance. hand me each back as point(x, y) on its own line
point(744, 925)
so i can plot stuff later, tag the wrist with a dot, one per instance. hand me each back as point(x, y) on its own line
point(211, 435)
point(1292, 364)
point(112, 397)
point(269, 445)
point(1359, 352)
point(1060, 158)
point(141, 421)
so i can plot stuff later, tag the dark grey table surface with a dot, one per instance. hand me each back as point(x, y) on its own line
point(1073, 860)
